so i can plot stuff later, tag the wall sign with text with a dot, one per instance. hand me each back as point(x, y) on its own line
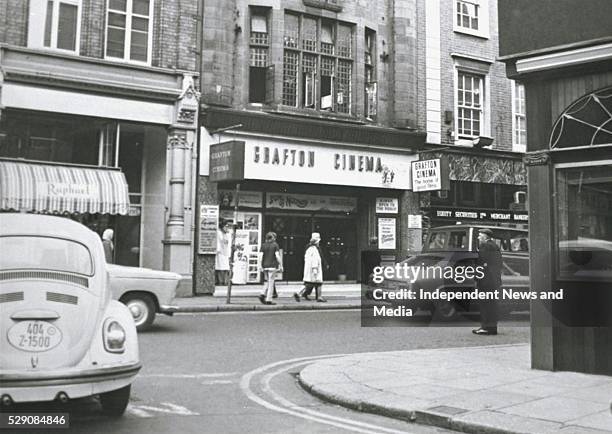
point(430, 175)
point(209, 223)
point(387, 205)
point(480, 214)
point(387, 233)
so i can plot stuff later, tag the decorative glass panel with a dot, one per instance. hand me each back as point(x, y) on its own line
point(290, 71)
point(292, 31)
point(309, 34)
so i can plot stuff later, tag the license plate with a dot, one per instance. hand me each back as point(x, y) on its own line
point(34, 336)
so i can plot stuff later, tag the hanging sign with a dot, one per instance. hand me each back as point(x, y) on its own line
point(209, 223)
point(227, 161)
point(430, 175)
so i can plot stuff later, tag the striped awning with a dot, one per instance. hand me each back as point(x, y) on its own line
point(51, 188)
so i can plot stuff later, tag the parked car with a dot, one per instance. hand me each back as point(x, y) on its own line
point(144, 291)
point(457, 246)
point(63, 336)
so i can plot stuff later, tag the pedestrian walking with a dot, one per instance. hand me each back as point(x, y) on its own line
point(313, 270)
point(489, 257)
point(109, 246)
point(270, 264)
point(224, 250)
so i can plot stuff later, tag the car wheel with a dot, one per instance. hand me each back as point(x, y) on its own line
point(445, 311)
point(115, 402)
point(142, 308)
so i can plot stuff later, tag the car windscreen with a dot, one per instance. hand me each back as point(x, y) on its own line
point(44, 253)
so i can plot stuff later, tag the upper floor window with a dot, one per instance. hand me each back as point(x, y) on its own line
point(519, 118)
point(317, 63)
point(261, 73)
point(370, 74)
point(128, 30)
point(472, 17)
point(54, 24)
point(470, 107)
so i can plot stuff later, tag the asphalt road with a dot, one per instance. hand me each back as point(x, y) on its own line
point(235, 372)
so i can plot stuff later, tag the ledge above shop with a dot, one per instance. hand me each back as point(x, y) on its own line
point(307, 128)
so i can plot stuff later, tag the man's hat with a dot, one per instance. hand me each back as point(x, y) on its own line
point(489, 232)
point(315, 236)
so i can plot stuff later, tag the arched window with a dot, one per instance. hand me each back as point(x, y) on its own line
point(587, 122)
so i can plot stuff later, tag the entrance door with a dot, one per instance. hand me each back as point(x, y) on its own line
point(293, 233)
point(339, 245)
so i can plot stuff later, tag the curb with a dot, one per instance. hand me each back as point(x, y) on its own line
point(435, 416)
point(256, 307)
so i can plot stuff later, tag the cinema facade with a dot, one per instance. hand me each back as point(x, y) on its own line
point(349, 183)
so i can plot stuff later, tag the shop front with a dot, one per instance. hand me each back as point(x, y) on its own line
point(349, 194)
point(106, 144)
point(485, 188)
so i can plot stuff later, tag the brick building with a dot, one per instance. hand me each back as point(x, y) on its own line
point(98, 114)
point(467, 105)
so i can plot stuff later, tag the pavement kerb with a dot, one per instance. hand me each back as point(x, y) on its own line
point(257, 307)
point(420, 416)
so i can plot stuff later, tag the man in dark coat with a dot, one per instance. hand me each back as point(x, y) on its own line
point(489, 257)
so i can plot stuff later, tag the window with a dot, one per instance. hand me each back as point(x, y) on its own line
point(128, 30)
point(259, 40)
point(470, 95)
point(370, 74)
point(472, 17)
point(519, 118)
point(54, 24)
point(584, 231)
point(317, 64)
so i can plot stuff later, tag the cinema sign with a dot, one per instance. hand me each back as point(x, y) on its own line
point(273, 160)
point(430, 175)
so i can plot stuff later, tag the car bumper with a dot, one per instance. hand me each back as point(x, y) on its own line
point(168, 309)
point(30, 386)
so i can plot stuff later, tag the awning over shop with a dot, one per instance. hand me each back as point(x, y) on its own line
point(54, 188)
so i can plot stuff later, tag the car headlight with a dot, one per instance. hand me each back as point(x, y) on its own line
point(113, 336)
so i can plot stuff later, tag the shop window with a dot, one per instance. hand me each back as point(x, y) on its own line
point(467, 192)
point(129, 30)
point(317, 64)
point(519, 118)
point(472, 17)
point(584, 230)
point(259, 57)
point(54, 24)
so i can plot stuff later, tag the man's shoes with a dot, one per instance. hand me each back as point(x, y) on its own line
point(270, 303)
point(321, 300)
point(262, 298)
point(485, 331)
point(296, 296)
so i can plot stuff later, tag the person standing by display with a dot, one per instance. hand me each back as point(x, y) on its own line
point(489, 257)
point(313, 270)
point(270, 264)
point(109, 246)
point(224, 250)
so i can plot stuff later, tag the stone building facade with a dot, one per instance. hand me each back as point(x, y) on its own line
point(118, 95)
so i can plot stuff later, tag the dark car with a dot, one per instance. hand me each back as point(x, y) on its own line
point(456, 247)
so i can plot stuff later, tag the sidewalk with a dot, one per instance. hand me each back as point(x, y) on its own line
point(244, 298)
point(476, 390)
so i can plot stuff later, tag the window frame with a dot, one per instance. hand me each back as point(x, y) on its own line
point(38, 15)
point(482, 15)
point(485, 111)
point(516, 113)
point(296, 47)
point(129, 14)
point(259, 44)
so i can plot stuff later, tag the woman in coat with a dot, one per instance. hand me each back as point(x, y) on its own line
point(313, 269)
point(109, 247)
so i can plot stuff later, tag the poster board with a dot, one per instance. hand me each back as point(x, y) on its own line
point(208, 226)
point(387, 233)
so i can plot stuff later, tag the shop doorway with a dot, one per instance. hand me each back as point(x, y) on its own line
point(338, 243)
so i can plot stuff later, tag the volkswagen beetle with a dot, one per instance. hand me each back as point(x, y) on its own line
point(63, 336)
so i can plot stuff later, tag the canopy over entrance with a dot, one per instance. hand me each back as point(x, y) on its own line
point(51, 188)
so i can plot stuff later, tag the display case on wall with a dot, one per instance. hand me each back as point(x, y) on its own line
point(248, 243)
